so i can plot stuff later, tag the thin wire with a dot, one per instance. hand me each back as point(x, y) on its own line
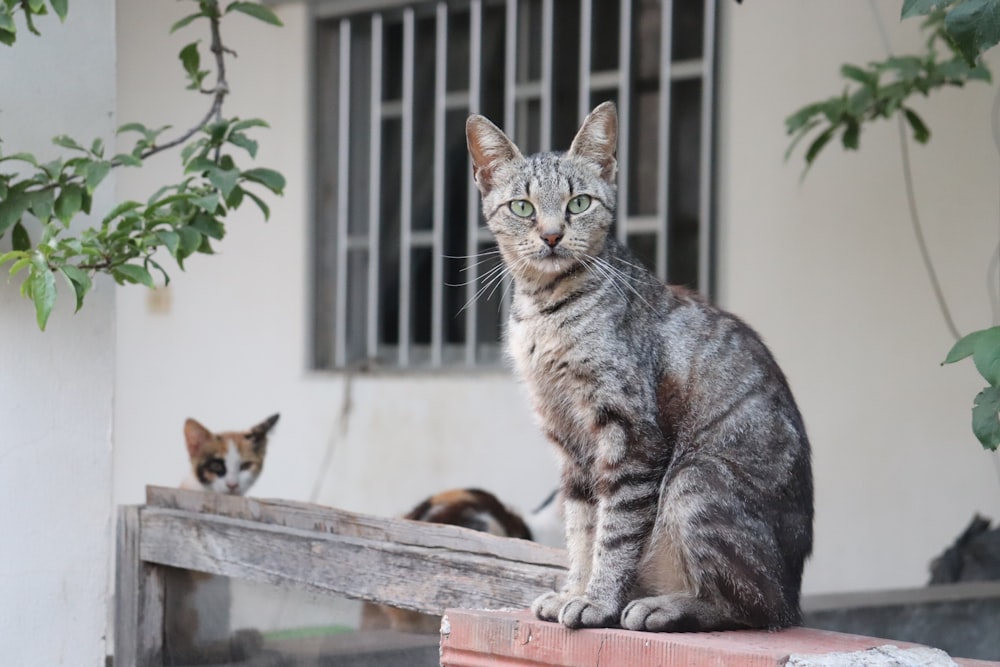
point(991, 282)
point(911, 198)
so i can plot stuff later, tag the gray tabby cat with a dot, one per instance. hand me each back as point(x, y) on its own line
point(686, 478)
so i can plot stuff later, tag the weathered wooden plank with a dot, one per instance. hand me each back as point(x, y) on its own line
point(139, 596)
point(324, 519)
point(426, 577)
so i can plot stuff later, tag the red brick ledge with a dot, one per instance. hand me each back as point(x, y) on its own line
point(507, 639)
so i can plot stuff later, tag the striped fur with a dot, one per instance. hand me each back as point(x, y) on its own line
point(686, 479)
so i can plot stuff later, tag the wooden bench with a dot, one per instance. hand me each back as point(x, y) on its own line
point(419, 566)
point(425, 567)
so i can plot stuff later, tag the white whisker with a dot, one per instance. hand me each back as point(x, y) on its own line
point(619, 277)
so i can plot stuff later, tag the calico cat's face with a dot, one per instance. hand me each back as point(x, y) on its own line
point(549, 212)
point(228, 462)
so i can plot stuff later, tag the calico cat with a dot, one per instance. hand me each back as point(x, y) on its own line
point(196, 613)
point(227, 462)
point(469, 508)
point(686, 479)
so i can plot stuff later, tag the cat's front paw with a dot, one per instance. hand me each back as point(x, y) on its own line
point(581, 612)
point(547, 607)
point(654, 614)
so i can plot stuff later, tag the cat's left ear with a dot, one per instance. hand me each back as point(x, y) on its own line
point(259, 432)
point(597, 140)
point(196, 436)
point(489, 148)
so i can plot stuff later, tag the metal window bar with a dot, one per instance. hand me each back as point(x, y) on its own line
point(624, 109)
point(545, 133)
point(406, 192)
point(517, 90)
point(472, 201)
point(343, 171)
point(440, 108)
point(663, 138)
point(585, 75)
point(705, 231)
point(374, 188)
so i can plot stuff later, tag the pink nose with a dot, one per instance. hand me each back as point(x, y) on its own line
point(232, 485)
point(552, 239)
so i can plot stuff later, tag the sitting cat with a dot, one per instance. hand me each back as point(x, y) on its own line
point(686, 479)
point(975, 555)
point(469, 508)
point(196, 614)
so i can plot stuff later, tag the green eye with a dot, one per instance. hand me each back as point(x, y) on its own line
point(579, 204)
point(522, 208)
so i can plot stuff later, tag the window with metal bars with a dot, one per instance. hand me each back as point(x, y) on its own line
point(402, 273)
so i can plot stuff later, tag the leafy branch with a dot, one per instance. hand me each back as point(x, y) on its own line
point(882, 89)
point(959, 31)
point(183, 218)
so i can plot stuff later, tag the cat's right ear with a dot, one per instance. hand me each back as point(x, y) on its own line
point(489, 148)
point(196, 436)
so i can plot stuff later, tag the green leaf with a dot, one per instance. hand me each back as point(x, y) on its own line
point(172, 240)
point(22, 157)
point(61, 8)
point(7, 38)
point(244, 142)
point(235, 198)
point(123, 207)
point(42, 286)
point(248, 123)
point(986, 355)
point(127, 160)
point(986, 417)
point(133, 127)
point(209, 226)
point(133, 273)
point(801, 117)
point(67, 142)
point(68, 203)
point(79, 281)
point(269, 178)
point(862, 76)
point(817, 145)
point(19, 264)
point(255, 10)
point(190, 240)
point(974, 26)
point(7, 21)
point(964, 347)
point(913, 8)
point(208, 203)
point(260, 204)
point(920, 132)
point(190, 58)
point(907, 67)
point(185, 21)
point(94, 173)
point(19, 239)
point(8, 256)
point(41, 202)
point(852, 132)
point(12, 207)
point(224, 179)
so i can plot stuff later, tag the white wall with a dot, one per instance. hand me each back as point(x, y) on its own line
point(233, 347)
point(826, 270)
point(56, 387)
